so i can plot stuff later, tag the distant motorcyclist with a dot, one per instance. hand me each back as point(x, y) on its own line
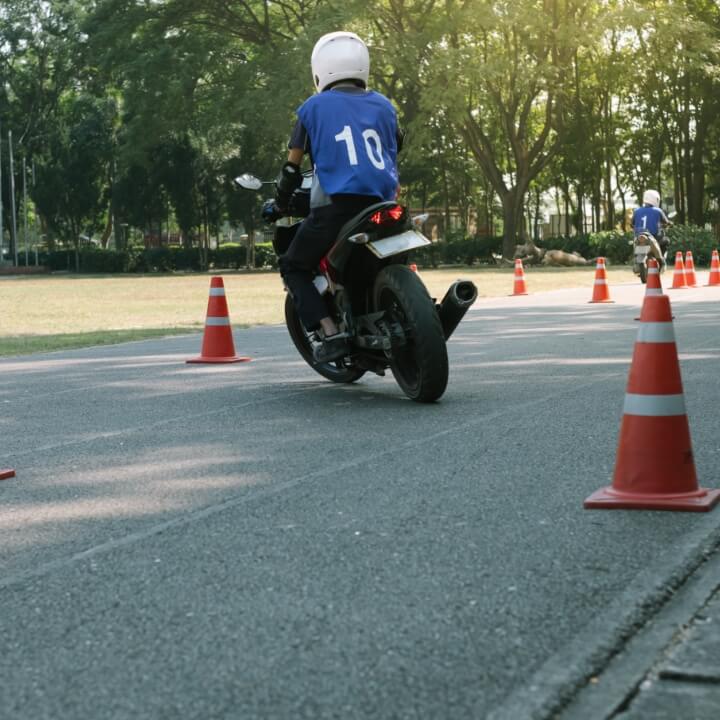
point(651, 218)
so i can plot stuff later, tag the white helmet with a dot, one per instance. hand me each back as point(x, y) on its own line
point(339, 56)
point(651, 197)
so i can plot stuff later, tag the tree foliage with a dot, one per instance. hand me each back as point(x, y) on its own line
point(138, 114)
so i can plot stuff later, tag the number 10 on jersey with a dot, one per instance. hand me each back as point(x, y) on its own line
point(373, 146)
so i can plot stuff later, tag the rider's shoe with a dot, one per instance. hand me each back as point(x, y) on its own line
point(333, 348)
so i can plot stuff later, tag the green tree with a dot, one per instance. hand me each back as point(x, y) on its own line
point(678, 52)
point(72, 174)
point(500, 70)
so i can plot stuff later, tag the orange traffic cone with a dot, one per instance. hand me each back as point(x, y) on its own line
point(217, 346)
point(5, 474)
point(601, 292)
point(690, 278)
point(654, 468)
point(679, 279)
point(714, 278)
point(519, 287)
point(653, 285)
point(414, 268)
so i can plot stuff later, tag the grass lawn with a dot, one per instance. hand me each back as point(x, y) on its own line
point(42, 313)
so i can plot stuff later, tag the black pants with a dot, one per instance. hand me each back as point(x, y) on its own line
point(314, 238)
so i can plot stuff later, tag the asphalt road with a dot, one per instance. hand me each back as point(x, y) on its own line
point(252, 541)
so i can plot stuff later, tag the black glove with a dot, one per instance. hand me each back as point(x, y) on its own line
point(288, 182)
point(270, 211)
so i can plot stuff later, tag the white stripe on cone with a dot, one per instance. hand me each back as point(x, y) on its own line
point(654, 405)
point(217, 321)
point(656, 332)
point(215, 292)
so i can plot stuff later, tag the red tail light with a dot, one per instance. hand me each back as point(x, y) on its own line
point(386, 217)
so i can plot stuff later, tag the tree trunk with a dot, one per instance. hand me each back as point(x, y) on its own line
point(446, 200)
point(609, 200)
point(581, 220)
point(676, 177)
point(621, 192)
point(512, 204)
point(696, 197)
point(566, 214)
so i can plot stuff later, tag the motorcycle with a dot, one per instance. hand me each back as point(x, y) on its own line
point(645, 246)
point(381, 305)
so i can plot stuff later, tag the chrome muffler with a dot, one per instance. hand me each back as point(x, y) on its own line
point(459, 297)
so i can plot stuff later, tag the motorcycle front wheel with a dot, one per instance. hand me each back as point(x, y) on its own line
point(643, 273)
point(336, 370)
point(420, 366)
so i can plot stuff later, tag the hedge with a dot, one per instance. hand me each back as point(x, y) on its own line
point(457, 250)
point(699, 241)
point(162, 259)
point(613, 245)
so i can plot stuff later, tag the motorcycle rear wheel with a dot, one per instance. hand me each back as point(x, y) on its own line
point(336, 370)
point(420, 366)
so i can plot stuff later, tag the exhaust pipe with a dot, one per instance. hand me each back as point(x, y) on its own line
point(459, 297)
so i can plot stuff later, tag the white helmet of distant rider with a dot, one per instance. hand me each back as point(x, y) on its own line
point(339, 56)
point(651, 197)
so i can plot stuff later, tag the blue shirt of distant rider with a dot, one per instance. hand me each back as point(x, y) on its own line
point(649, 219)
point(351, 135)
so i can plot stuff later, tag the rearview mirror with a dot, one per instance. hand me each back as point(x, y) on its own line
point(248, 181)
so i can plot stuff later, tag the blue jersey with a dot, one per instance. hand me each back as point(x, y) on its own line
point(647, 219)
point(353, 137)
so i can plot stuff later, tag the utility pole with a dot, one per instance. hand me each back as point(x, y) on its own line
point(35, 222)
point(25, 227)
point(2, 256)
point(12, 199)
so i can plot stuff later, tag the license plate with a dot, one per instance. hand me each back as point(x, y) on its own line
point(396, 244)
point(642, 249)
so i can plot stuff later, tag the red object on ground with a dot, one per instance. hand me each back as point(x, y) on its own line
point(5, 474)
point(519, 287)
point(679, 279)
point(714, 278)
point(690, 278)
point(654, 468)
point(601, 291)
point(217, 346)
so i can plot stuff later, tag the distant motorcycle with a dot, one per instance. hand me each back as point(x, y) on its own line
point(645, 246)
point(376, 299)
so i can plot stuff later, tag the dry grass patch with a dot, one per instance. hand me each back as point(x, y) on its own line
point(50, 313)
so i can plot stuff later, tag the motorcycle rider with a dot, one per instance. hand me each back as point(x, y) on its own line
point(652, 218)
point(351, 135)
